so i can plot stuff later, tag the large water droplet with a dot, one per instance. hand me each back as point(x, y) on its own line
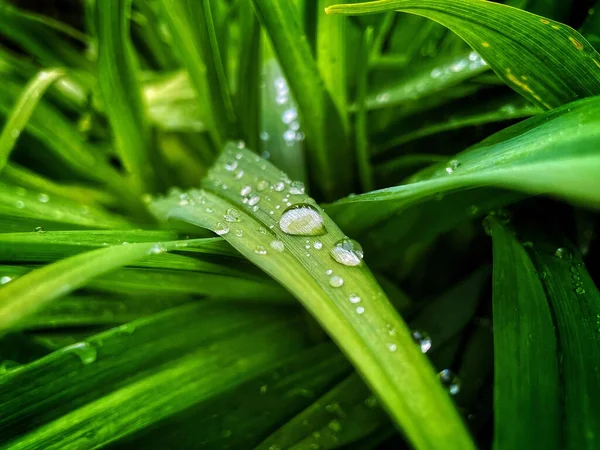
point(297, 188)
point(422, 339)
point(450, 381)
point(347, 251)
point(302, 220)
point(336, 281)
point(86, 352)
point(221, 228)
point(232, 215)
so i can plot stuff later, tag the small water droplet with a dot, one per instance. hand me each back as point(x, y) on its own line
point(392, 347)
point(262, 230)
point(39, 230)
point(43, 198)
point(579, 290)
point(318, 245)
point(262, 185)
point(354, 298)
point(360, 310)
point(277, 245)
point(253, 200)
point(221, 228)
point(232, 215)
point(263, 389)
point(302, 220)
point(452, 166)
point(336, 281)
point(239, 233)
point(231, 165)
point(19, 204)
point(85, 351)
point(127, 329)
point(335, 425)
point(422, 339)
point(238, 174)
point(450, 381)
point(563, 253)
point(328, 272)
point(245, 190)
point(157, 249)
point(347, 251)
point(5, 279)
point(260, 250)
point(264, 136)
point(297, 188)
point(279, 186)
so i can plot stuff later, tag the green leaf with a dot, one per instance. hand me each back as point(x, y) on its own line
point(575, 302)
point(362, 140)
point(28, 293)
point(243, 211)
point(119, 87)
point(547, 62)
point(551, 153)
point(319, 116)
point(527, 402)
point(111, 378)
point(23, 109)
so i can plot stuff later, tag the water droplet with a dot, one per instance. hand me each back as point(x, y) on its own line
point(435, 73)
point(452, 166)
point(336, 281)
point(232, 215)
point(39, 230)
point(231, 165)
point(253, 199)
point(450, 381)
point(277, 245)
point(422, 339)
point(262, 230)
point(328, 272)
point(19, 204)
point(238, 174)
point(263, 389)
point(318, 245)
point(279, 186)
point(297, 188)
point(260, 250)
point(157, 249)
point(239, 233)
point(360, 310)
point(85, 351)
point(579, 290)
point(354, 298)
point(563, 253)
point(262, 185)
point(392, 347)
point(43, 198)
point(264, 136)
point(127, 329)
point(221, 228)
point(302, 220)
point(347, 251)
point(335, 425)
point(5, 279)
point(245, 190)
point(289, 115)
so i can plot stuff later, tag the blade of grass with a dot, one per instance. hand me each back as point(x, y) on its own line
point(547, 62)
point(575, 301)
point(119, 87)
point(526, 381)
point(392, 365)
point(23, 109)
point(28, 293)
point(192, 30)
point(363, 151)
point(322, 121)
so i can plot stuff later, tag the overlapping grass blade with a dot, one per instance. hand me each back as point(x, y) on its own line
point(392, 365)
point(575, 301)
point(28, 293)
point(114, 372)
point(527, 401)
point(121, 96)
point(552, 153)
point(23, 109)
point(363, 150)
point(547, 62)
point(319, 116)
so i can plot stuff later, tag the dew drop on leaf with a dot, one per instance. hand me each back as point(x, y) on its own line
point(422, 339)
point(39, 230)
point(277, 245)
point(245, 190)
point(262, 185)
point(253, 200)
point(232, 215)
point(279, 186)
point(336, 281)
point(347, 251)
point(231, 165)
point(260, 250)
point(221, 228)
point(318, 245)
point(360, 310)
point(302, 220)
point(43, 198)
point(450, 381)
point(297, 188)
point(354, 298)
point(85, 351)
